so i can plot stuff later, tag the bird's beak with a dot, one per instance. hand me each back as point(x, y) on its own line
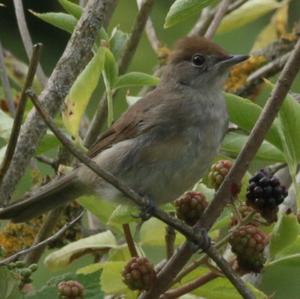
point(231, 60)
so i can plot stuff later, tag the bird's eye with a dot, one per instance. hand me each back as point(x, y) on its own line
point(198, 59)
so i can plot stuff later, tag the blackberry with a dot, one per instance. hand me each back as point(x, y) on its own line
point(248, 243)
point(265, 194)
point(70, 289)
point(218, 172)
point(139, 274)
point(190, 207)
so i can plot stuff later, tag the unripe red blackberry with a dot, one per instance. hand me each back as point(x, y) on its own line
point(248, 243)
point(218, 172)
point(139, 274)
point(70, 289)
point(265, 194)
point(190, 206)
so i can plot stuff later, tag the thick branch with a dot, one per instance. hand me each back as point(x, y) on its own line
point(25, 35)
point(73, 60)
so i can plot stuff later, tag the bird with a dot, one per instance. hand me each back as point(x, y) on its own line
point(162, 145)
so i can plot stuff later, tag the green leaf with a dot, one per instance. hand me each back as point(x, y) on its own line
point(6, 123)
point(136, 79)
point(247, 13)
point(245, 113)
point(284, 233)
point(72, 8)
point(90, 282)
point(183, 9)
point(81, 92)
point(101, 242)
point(293, 248)
point(8, 285)
point(58, 19)
point(281, 278)
point(118, 41)
point(99, 207)
point(110, 69)
point(48, 143)
point(234, 142)
point(123, 214)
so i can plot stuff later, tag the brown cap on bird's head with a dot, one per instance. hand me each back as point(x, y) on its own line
point(186, 47)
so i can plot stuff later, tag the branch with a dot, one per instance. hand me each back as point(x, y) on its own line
point(6, 85)
point(27, 42)
point(187, 288)
point(45, 231)
point(48, 241)
point(255, 139)
point(219, 15)
point(71, 63)
point(170, 237)
point(100, 116)
point(129, 240)
point(20, 112)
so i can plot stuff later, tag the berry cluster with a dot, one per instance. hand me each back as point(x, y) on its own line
point(190, 207)
point(70, 289)
point(248, 243)
point(265, 194)
point(23, 272)
point(244, 212)
point(218, 172)
point(139, 274)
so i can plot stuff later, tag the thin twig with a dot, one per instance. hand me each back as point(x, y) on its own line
point(20, 111)
point(75, 57)
point(129, 240)
point(27, 42)
point(255, 139)
point(170, 237)
point(100, 115)
point(220, 13)
point(48, 241)
point(151, 33)
point(187, 288)
point(6, 85)
point(45, 231)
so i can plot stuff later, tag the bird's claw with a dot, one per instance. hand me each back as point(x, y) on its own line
point(147, 210)
point(204, 241)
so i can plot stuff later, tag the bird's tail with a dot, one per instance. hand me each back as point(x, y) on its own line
point(50, 196)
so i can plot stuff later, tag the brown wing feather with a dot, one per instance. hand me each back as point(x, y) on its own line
point(128, 126)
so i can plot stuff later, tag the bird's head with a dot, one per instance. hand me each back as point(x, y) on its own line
point(198, 62)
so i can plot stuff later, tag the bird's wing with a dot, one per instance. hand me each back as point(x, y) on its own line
point(131, 124)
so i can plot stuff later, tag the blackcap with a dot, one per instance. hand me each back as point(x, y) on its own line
point(162, 145)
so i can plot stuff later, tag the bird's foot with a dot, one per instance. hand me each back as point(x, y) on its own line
point(203, 240)
point(147, 210)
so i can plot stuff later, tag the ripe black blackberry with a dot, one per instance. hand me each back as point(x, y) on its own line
point(139, 274)
point(265, 194)
point(248, 243)
point(190, 207)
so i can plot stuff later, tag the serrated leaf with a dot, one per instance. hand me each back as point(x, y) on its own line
point(101, 242)
point(284, 233)
point(60, 20)
point(6, 123)
point(234, 142)
point(247, 13)
point(72, 8)
point(180, 10)
point(245, 113)
point(136, 79)
point(81, 92)
point(281, 278)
